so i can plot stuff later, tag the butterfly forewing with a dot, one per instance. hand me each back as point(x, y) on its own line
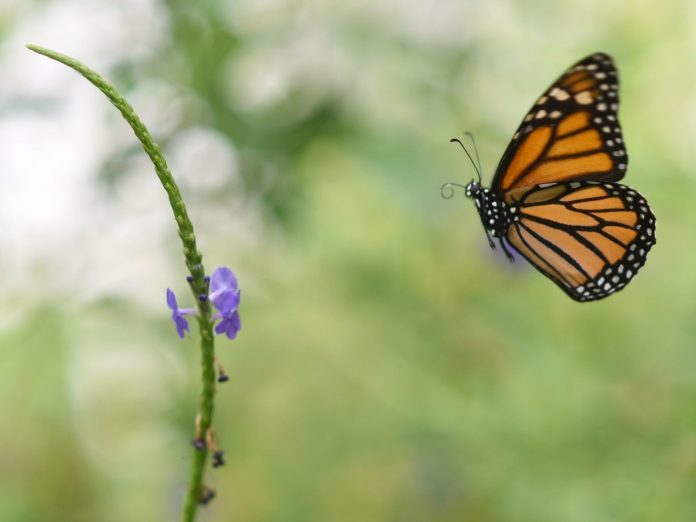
point(572, 133)
point(591, 238)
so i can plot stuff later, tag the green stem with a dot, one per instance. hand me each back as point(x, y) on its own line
point(193, 262)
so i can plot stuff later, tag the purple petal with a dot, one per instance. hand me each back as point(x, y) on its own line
point(221, 326)
point(233, 326)
point(223, 279)
point(227, 302)
point(236, 323)
point(229, 325)
point(171, 299)
point(181, 326)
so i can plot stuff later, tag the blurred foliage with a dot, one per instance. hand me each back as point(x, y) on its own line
point(390, 366)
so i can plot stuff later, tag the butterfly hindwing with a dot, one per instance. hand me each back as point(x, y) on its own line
point(591, 238)
point(572, 133)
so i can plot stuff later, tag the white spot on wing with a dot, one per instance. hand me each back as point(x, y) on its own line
point(583, 98)
point(559, 94)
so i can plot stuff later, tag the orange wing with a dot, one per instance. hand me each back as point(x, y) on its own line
point(571, 134)
point(590, 238)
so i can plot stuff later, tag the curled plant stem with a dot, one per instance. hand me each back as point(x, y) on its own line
point(193, 262)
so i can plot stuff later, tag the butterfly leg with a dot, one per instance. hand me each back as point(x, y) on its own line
point(508, 254)
point(490, 240)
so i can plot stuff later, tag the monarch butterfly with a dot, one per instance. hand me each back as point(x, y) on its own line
point(555, 196)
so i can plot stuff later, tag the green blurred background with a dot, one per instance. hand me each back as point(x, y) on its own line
point(390, 366)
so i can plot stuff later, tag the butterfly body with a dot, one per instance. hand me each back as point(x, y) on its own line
point(495, 213)
point(555, 197)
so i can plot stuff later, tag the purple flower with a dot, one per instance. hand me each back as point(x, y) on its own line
point(224, 290)
point(225, 296)
point(229, 325)
point(178, 314)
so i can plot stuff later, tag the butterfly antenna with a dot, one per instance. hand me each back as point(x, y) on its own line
point(478, 160)
point(476, 168)
point(447, 190)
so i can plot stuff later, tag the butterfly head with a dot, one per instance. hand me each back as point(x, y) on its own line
point(472, 189)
